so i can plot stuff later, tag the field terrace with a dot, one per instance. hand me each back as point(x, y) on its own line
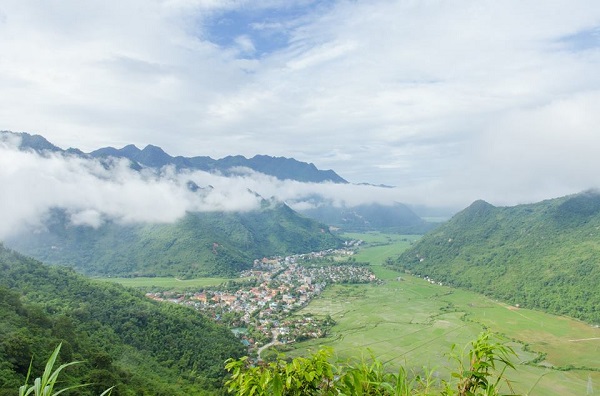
point(281, 286)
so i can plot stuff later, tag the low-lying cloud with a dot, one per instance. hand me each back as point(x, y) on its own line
point(91, 191)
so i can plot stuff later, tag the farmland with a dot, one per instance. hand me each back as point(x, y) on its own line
point(168, 283)
point(413, 322)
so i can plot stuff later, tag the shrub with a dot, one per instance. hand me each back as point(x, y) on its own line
point(481, 367)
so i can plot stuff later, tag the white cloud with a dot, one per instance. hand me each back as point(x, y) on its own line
point(397, 93)
point(91, 192)
point(245, 44)
point(87, 217)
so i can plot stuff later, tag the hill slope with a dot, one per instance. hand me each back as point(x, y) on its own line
point(200, 244)
point(123, 338)
point(544, 255)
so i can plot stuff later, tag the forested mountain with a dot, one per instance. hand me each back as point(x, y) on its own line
point(121, 337)
point(370, 217)
point(154, 157)
point(199, 244)
point(544, 255)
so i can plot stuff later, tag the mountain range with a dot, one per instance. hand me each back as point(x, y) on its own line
point(544, 255)
point(155, 157)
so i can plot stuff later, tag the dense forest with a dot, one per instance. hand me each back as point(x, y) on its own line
point(544, 255)
point(122, 338)
point(199, 244)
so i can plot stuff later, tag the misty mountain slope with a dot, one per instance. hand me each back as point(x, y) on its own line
point(369, 217)
point(544, 255)
point(122, 338)
point(199, 244)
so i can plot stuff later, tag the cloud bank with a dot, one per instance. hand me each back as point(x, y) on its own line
point(92, 192)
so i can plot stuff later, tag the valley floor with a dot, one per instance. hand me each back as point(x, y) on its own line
point(413, 322)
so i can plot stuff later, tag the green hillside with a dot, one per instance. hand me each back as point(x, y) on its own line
point(199, 244)
point(544, 255)
point(122, 338)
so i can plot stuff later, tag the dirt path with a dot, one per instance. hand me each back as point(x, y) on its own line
point(585, 339)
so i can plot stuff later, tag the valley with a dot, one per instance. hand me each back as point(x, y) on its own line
point(239, 269)
point(409, 321)
point(300, 198)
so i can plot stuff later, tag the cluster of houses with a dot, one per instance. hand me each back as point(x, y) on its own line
point(263, 308)
point(433, 282)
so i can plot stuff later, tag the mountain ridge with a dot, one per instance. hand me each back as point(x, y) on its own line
point(199, 244)
point(155, 157)
point(544, 255)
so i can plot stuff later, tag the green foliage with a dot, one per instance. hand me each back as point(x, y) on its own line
point(544, 255)
point(301, 376)
point(316, 375)
point(483, 357)
point(372, 377)
point(121, 337)
point(198, 245)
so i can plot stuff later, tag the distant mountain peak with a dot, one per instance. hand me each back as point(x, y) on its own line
point(480, 204)
point(37, 143)
point(153, 148)
point(130, 149)
point(477, 210)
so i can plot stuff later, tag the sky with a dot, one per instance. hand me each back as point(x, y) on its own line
point(447, 100)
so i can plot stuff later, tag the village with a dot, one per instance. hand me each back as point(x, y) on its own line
point(260, 307)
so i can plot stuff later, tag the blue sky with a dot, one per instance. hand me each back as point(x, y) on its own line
point(584, 40)
point(258, 31)
point(449, 100)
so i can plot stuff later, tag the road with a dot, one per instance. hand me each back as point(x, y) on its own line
point(270, 344)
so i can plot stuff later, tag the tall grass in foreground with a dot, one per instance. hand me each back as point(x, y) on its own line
point(481, 369)
point(44, 385)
